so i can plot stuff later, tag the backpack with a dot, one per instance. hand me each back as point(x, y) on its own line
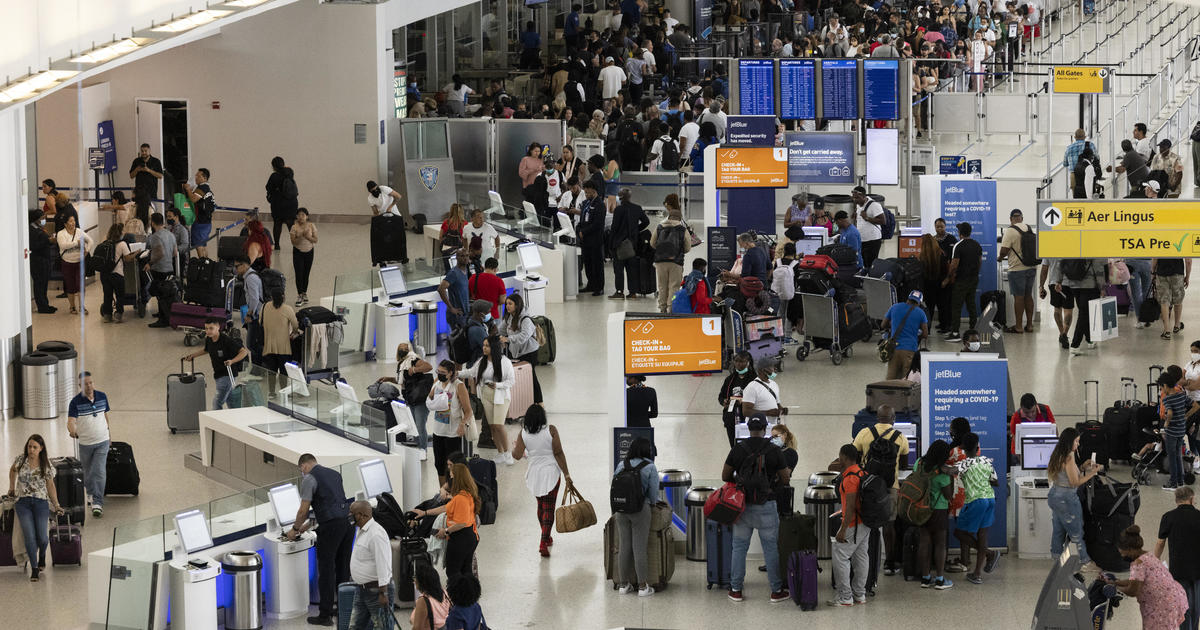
point(1118, 271)
point(459, 346)
point(882, 454)
point(539, 332)
point(1076, 268)
point(912, 501)
point(681, 302)
point(752, 477)
point(783, 279)
point(669, 243)
point(1028, 247)
point(674, 122)
point(548, 350)
point(289, 189)
point(668, 159)
point(273, 281)
point(625, 495)
point(873, 503)
point(629, 135)
point(105, 256)
point(888, 229)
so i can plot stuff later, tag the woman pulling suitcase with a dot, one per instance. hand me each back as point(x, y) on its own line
point(31, 481)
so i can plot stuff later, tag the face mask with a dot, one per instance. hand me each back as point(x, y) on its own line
point(170, 221)
point(375, 193)
point(771, 376)
point(487, 318)
point(41, 222)
point(443, 378)
point(777, 441)
point(1195, 357)
point(746, 369)
point(973, 346)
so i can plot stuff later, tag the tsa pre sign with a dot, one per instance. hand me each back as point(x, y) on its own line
point(673, 345)
point(752, 167)
point(1118, 228)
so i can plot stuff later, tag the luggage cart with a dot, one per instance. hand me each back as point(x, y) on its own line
point(764, 338)
point(734, 332)
point(825, 329)
point(132, 294)
point(881, 295)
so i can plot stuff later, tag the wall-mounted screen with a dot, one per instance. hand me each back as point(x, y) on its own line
point(881, 89)
point(839, 89)
point(756, 87)
point(798, 89)
point(883, 155)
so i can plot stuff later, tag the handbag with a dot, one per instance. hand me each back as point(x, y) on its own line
point(575, 513)
point(624, 250)
point(887, 347)
point(695, 240)
point(1151, 310)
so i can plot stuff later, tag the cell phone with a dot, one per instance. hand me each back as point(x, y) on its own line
point(1093, 458)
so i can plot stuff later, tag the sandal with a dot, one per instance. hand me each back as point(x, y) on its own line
point(1012, 330)
point(73, 311)
point(1029, 329)
point(1165, 335)
point(1179, 327)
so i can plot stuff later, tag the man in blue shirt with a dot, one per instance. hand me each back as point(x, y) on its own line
point(454, 292)
point(530, 47)
point(87, 421)
point(908, 324)
point(571, 27)
point(848, 234)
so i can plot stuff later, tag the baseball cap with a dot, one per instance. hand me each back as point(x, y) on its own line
point(1165, 143)
point(916, 296)
point(757, 422)
point(609, 60)
point(1153, 184)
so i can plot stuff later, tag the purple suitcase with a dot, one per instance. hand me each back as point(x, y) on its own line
point(802, 579)
point(193, 315)
point(1121, 292)
point(66, 544)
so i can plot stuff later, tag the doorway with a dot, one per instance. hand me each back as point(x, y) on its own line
point(163, 124)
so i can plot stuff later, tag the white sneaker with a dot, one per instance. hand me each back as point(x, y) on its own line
point(646, 592)
point(423, 456)
point(499, 458)
point(1091, 345)
point(508, 458)
point(624, 590)
point(1076, 352)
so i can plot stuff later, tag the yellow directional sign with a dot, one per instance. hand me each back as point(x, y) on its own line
point(1080, 80)
point(1118, 228)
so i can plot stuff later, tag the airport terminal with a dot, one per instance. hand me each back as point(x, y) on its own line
point(600, 314)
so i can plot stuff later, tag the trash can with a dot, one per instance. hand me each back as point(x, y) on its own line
point(39, 385)
point(836, 202)
point(823, 478)
point(694, 501)
point(675, 485)
point(68, 381)
point(427, 324)
point(821, 502)
point(245, 609)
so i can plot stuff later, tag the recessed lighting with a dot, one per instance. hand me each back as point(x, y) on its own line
point(199, 18)
point(31, 85)
point(104, 53)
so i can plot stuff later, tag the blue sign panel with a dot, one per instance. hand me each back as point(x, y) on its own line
point(952, 164)
point(881, 89)
point(623, 438)
point(974, 201)
point(750, 131)
point(798, 89)
point(820, 157)
point(974, 166)
point(756, 87)
point(702, 18)
point(108, 144)
point(839, 89)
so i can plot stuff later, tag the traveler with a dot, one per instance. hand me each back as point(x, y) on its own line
point(741, 373)
point(519, 334)
point(382, 200)
point(1140, 278)
point(761, 396)
point(960, 427)
point(1162, 600)
point(633, 529)
point(756, 466)
point(852, 540)
point(689, 133)
point(454, 293)
point(848, 235)
point(1084, 276)
point(1133, 164)
point(283, 196)
point(933, 271)
point(1180, 527)
point(205, 205)
point(492, 378)
point(944, 239)
point(145, 172)
point(755, 260)
point(786, 441)
point(671, 243)
point(909, 328)
point(783, 282)
point(591, 238)
point(1148, 190)
point(885, 418)
point(539, 442)
point(962, 278)
point(796, 217)
point(432, 605)
point(371, 572)
point(117, 251)
point(978, 477)
point(1141, 143)
point(226, 354)
point(543, 194)
point(1065, 476)
point(450, 237)
point(629, 219)
point(531, 164)
point(322, 490)
point(451, 406)
point(258, 245)
point(480, 238)
point(707, 136)
point(41, 257)
point(870, 217)
point(279, 326)
point(58, 206)
point(73, 244)
point(465, 613)
point(530, 47)
point(664, 152)
point(87, 423)
point(253, 285)
point(488, 287)
point(456, 96)
point(1074, 151)
point(183, 236)
point(164, 254)
point(1063, 302)
point(971, 341)
point(1167, 164)
point(641, 402)
point(461, 532)
point(414, 374)
point(1176, 407)
point(303, 235)
point(1029, 411)
point(31, 481)
point(1022, 271)
point(934, 531)
point(715, 116)
point(141, 209)
point(1171, 280)
point(635, 67)
point(696, 284)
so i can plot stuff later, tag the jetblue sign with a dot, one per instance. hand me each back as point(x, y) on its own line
point(750, 131)
point(819, 157)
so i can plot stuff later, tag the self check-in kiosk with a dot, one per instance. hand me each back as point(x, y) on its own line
point(287, 560)
point(533, 286)
point(193, 577)
point(391, 315)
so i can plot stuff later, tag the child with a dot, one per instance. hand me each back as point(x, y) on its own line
point(1175, 408)
point(971, 529)
point(696, 284)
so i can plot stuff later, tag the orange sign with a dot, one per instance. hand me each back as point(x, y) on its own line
point(752, 167)
point(673, 345)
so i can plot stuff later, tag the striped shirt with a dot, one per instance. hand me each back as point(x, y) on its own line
point(1178, 404)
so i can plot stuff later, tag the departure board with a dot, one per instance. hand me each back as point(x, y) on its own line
point(798, 89)
point(756, 87)
point(881, 98)
point(839, 89)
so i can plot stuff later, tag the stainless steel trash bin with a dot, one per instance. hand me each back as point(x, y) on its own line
point(694, 501)
point(837, 202)
point(823, 478)
point(675, 484)
point(427, 322)
point(821, 501)
point(245, 609)
point(68, 375)
point(39, 385)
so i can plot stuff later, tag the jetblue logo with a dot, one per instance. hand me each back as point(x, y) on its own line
point(954, 189)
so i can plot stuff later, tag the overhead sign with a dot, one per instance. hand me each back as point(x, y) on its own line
point(952, 164)
point(1118, 228)
point(819, 157)
point(672, 345)
point(752, 167)
point(750, 131)
point(756, 87)
point(1080, 80)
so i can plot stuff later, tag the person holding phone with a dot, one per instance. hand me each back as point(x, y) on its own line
point(493, 378)
point(1065, 508)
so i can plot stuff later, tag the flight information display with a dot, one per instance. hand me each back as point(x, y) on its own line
point(839, 89)
point(881, 83)
point(798, 89)
point(756, 87)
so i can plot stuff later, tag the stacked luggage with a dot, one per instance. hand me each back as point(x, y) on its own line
point(847, 262)
point(208, 292)
point(660, 551)
point(764, 338)
point(906, 274)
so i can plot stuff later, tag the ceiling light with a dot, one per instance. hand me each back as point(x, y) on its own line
point(199, 18)
point(243, 4)
point(33, 84)
point(104, 53)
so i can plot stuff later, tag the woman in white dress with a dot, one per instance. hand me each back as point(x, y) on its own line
point(492, 378)
point(539, 442)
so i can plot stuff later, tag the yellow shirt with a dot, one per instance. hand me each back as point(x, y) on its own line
point(863, 440)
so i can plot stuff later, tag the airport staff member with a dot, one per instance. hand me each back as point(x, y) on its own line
point(371, 571)
point(321, 488)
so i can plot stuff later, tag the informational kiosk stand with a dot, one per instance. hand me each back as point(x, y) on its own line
point(533, 286)
point(391, 315)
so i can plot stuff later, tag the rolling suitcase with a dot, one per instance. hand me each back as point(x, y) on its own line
point(903, 395)
point(194, 315)
point(122, 472)
point(890, 270)
point(1118, 421)
point(522, 391)
point(718, 549)
point(66, 543)
point(388, 240)
point(406, 552)
point(797, 532)
point(821, 264)
point(909, 555)
point(1121, 292)
point(68, 483)
point(483, 471)
point(813, 281)
point(1092, 437)
point(661, 557)
point(853, 324)
point(766, 349)
point(204, 282)
point(345, 604)
point(801, 574)
point(186, 398)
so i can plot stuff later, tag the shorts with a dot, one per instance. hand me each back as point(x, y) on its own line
point(1021, 283)
point(200, 233)
point(976, 515)
point(1169, 289)
point(893, 497)
point(1062, 300)
point(611, 188)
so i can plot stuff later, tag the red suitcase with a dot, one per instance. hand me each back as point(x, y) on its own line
point(522, 391)
point(821, 263)
point(66, 544)
point(193, 315)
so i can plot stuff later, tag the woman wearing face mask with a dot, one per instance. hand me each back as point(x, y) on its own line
point(450, 403)
point(641, 402)
point(1065, 509)
point(741, 373)
point(762, 396)
point(1191, 385)
point(971, 341)
point(413, 373)
point(492, 378)
point(1162, 600)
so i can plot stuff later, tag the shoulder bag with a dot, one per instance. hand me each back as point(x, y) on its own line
point(887, 347)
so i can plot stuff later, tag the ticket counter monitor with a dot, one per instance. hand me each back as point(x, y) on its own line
point(1032, 429)
point(570, 256)
point(375, 480)
point(1035, 453)
point(402, 440)
point(909, 431)
point(533, 285)
point(193, 576)
point(391, 315)
point(287, 560)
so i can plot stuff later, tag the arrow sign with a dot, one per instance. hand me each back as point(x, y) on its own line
point(1051, 216)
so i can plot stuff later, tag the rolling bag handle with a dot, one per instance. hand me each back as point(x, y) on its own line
point(192, 362)
point(1128, 390)
point(1096, 398)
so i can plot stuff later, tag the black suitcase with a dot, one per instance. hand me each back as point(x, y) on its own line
point(999, 298)
point(122, 476)
point(914, 274)
point(909, 560)
point(419, 221)
point(1100, 534)
point(647, 281)
point(388, 240)
point(68, 483)
point(315, 315)
point(1118, 421)
point(204, 282)
point(853, 324)
point(888, 269)
point(843, 255)
point(228, 247)
point(1102, 498)
point(408, 552)
point(484, 473)
point(812, 281)
point(1093, 439)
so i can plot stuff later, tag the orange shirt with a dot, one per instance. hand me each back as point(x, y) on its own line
point(461, 509)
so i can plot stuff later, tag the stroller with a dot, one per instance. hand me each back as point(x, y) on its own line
point(1152, 460)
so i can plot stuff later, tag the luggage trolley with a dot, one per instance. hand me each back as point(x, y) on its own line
point(1066, 602)
point(194, 336)
point(881, 295)
point(764, 338)
point(825, 329)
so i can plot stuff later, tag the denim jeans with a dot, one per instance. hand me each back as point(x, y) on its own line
point(94, 458)
point(224, 386)
point(765, 519)
point(1139, 282)
point(1066, 512)
point(367, 612)
point(1191, 588)
point(1173, 448)
point(34, 515)
point(420, 416)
